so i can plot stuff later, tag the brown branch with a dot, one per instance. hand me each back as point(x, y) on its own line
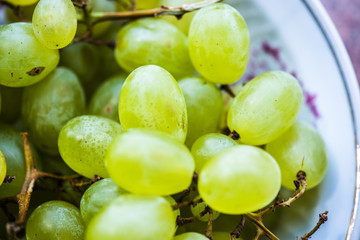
point(257, 221)
point(237, 231)
point(234, 135)
point(228, 90)
point(182, 221)
point(187, 203)
point(322, 219)
point(209, 228)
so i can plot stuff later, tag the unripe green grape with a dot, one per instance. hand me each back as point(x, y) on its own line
point(111, 68)
point(12, 147)
point(147, 4)
point(172, 202)
point(239, 180)
point(54, 23)
point(151, 98)
point(55, 220)
point(22, 2)
point(105, 101)
point(145, 161)
point(265, 107)
point(10, 104)
point(190, 236)
point(83, 142)
point(153, 41)
point(2, 168)
point(219, 43)
point(204, 105)
point(49, 104)
point(27, 61)
point(199, 207)
point(207, 146)
point(300, 148)
point(97, 196)
point(131, 217)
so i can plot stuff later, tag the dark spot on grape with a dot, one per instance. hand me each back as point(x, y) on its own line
point(108, 109)
point(57, 45)
point(35, 71)
point(12, 74)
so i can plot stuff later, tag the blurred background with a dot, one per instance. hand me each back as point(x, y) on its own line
point(346, 16)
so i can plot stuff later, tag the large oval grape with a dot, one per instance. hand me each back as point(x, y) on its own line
point(22, 2)
point(153, 41)
point(55, 220)
point(49, 104)
point(145, 161)
point(55, 23)
point(265, 107)
point(83, 142)
point(219, 43)
point(301, 148)
point(151, 98)
point(27, 61)
point(239, 180)
point(130, 217)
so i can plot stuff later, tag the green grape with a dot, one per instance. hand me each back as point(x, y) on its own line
point(27, 61)
point(207, 146)
point(2, 168)
point(172, 202)
point(83, 142)
point(25, 12)
point(153, 41)
point(145, 161)
point(132, 217)
point(48, 105)
point(54, 23)
point(204, 105)
point(265, 107)
point(10, 104)
point(97, 196)
point(105, 101)
point(300, 148)
point(55, 220)
point(190, 236)
point(219, 43)
point(147, 4)
point(22, 2)
point(111, 67)
point(239, 180)
point(199, 207)
point(12, 147)
point(151, 98)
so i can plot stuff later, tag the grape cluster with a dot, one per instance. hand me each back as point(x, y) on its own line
point(153, 129)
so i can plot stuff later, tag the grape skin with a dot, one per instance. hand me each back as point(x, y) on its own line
point(2, 168)
point(190, 236)
point(10, 104)
point(22, 2)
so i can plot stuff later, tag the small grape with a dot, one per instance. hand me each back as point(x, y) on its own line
point(265, 107)
point(2, 168)
point(199, 207)
point(83, 142)
point(207, 146)
point(55, 23)
point(97, 196)
point(151, 98)
point(147, 4)
point(300, 148)
point(172, 202)
point(219, 43)
point(55, 220)
point(130, 217)
point(190, 236)
point(145, 161)
point(22, 2)
point(239, 180)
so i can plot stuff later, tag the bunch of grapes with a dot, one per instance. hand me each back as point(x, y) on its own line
point(138, 104)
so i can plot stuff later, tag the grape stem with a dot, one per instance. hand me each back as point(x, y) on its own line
point(237, 231)
point(209, 228)
point(187, 203)
point(182, 221)
point(228, 90)
point(322, 219)
point(8, 179)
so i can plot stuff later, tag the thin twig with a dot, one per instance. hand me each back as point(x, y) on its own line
point(259, 225)
point(209, 228)
point(322, 219)
point(228, 90)
point(182, 221)
point(237, 231)
point(187, 203)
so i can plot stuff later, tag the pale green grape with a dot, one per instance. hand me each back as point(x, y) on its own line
point(147, 4)
point(111, 67)
point(49, 104)
point(133, 217)
point(219, 43)
point(145, 161)
point(172, 202)
point(22, 2)
point(105, 101)
point(199, 207)
point(10, 104)
point(265, 107)
point(153, 41)
point(97, 196)
point(55, 220)
point(12, 147)
point(54, 23)
point(190, 236)
point(2, 168)
point(300, 148)
point(151, 98)
point(207, 146)
point(83, 142)
point(27, 61)
point(205, 107)
point(239, 180)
